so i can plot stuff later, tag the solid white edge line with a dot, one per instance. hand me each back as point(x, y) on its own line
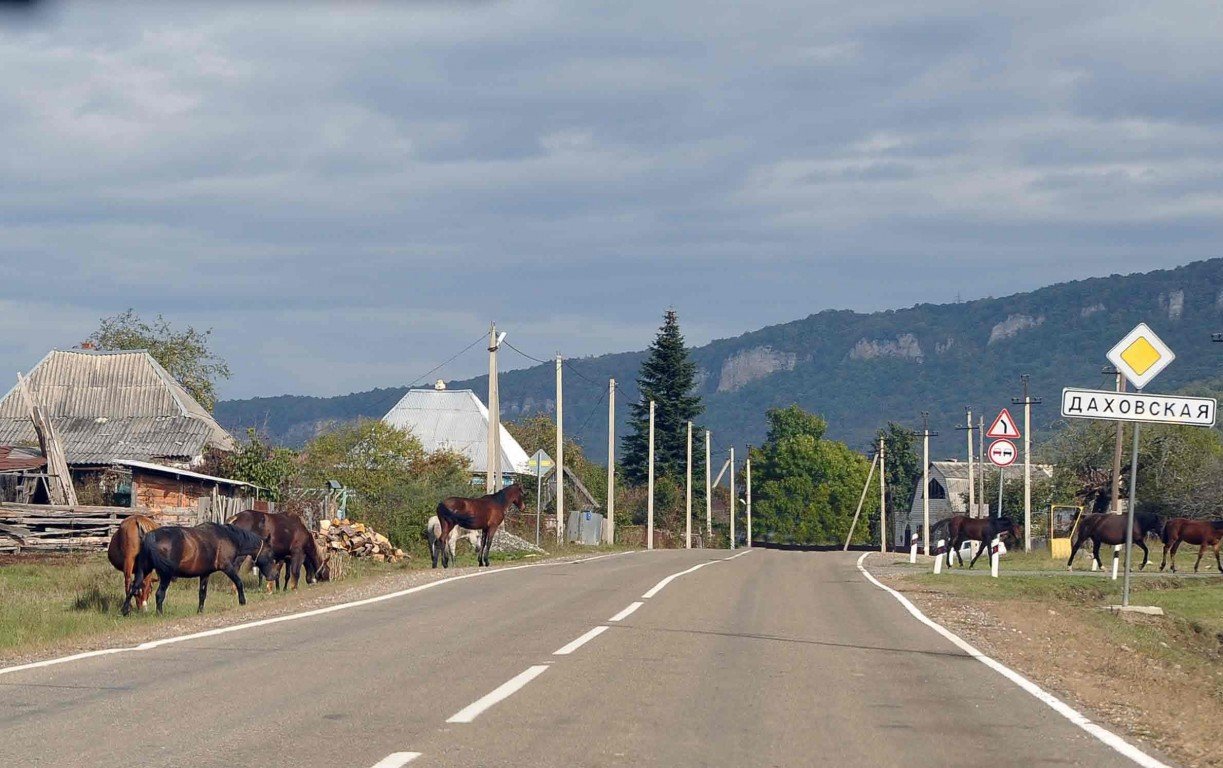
point(602, 557)
point(1104, 735)
point(627, 611)
point(654, 590)
point(279, 619)
point(396, 760)
point(507, 689)
point(565, 650)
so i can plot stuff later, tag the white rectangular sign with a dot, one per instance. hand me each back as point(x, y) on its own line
point(1135, 406)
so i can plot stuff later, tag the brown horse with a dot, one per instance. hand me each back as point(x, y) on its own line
point(484, 514)
point(962, 528)
point(1107, 528)
point(1205, 533)
point(291, 542)
point(174, 551)
point(123, 549)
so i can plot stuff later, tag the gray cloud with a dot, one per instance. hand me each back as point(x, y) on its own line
point(349, 193)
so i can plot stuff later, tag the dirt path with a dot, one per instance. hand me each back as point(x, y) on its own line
point(1078, 653)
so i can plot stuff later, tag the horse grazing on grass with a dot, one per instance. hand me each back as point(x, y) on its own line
point(291, 543)
point(174, 552)
point(484, 514)
point(961, 528)
point(1205, 533)
point(122, 551)
point(1108, 528)
point(433, 531)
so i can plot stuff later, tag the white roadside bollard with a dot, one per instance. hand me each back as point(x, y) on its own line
point(939, 551)
point(993, 558)
point(913, 548)
point(1116, 560)
point(1094, 565)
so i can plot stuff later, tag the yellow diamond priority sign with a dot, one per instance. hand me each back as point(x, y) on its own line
point(1141, 356)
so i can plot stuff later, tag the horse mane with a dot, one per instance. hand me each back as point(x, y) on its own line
point(242, 538)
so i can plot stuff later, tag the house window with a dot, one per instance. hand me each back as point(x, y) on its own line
point(937, 491)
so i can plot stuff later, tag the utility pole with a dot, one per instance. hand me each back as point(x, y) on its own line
point(732, 498)
point(611, 461)
point(925, 474)
point(972, 484)
point(492, 475)
point(747, 468)
point(1028, 401)
point(688, 495)
point(708, 495)
point(1118, 448)
point(560, 453)
point(981, 464)
point(649, 517)
point(883, 519)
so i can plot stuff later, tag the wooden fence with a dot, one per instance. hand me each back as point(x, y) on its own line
point(43, 527)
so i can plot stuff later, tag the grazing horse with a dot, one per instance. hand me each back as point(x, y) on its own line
point(433, 530)
point(174, 551)
point(1206, 533)
point(484, 514)
point(962, 528)
point(1107, 528)
point(291, 543)
point(123, 549)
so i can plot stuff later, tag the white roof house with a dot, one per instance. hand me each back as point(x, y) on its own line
point(456, 420)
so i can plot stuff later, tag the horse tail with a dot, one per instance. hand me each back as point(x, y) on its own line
point(151, 558)
point(454, 518)
point(145, 525)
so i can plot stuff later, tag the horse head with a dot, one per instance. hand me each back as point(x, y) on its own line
point(514, 495)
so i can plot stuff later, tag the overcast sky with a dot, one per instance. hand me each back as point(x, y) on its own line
point(349, 192)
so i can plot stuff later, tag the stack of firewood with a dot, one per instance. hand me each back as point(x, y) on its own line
point(357, 540)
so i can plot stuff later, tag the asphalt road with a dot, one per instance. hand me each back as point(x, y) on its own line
point(770, 659)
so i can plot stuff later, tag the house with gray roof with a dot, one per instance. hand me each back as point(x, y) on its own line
point(455, 420)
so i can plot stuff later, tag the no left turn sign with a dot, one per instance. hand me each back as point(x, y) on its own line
point(1002, 453)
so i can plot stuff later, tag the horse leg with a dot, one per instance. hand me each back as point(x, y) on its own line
point(1201, 551)
point(1218, 561)
point(444, 539)
point(232, 573)
point(980, 549)
point(1164, 561)
point(1145, 553)
point(433, 550)
point(1074, 550)
point(295, 566)
point(146, 589)
point(1176, 545)
point(131, 592)
point(1095, 553)
point(203, 592)
point(165, 579)
point(485, 545)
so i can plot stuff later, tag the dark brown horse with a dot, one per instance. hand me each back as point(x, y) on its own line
point(291, 542)
point(961, 528)
point(1108, 528)
point(174, 552)
point(1204, 533)
point(123, 549)
point(484, 514)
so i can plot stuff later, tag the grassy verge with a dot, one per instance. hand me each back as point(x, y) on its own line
point(48, 601)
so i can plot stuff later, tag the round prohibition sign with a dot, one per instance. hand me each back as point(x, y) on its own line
point(1002, 453)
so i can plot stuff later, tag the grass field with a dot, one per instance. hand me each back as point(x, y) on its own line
point(46, 601)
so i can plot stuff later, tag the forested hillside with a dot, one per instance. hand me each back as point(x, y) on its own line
point(859, 370)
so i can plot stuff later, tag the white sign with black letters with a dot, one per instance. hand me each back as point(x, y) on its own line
point(1137, 406)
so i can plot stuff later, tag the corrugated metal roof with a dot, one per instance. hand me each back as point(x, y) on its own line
point(456, 420)
point(108, 406)
point(151, 467)
point(15, 458)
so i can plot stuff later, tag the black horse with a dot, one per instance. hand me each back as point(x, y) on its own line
point(962, 528)
point(1108, 528)
point(174, 551)
point(484, 514)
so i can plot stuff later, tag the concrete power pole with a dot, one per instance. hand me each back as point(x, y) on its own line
point(969, 428)
point(1028, 401)
point(981, 461)
point(688, 495)
point(560, 454)
point(883, 515)
point(708, 495)
point(747, 469)
point(611, 461)
point(925, 479)
point(732, 498)
point(492, 474)
point(649, 515)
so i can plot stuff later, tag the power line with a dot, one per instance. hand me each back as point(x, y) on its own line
point(524, 354)
point(433, 370)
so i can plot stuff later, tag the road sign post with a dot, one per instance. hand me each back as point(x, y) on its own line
point(539, 462)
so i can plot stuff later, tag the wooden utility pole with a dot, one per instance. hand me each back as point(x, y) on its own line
point(732, 498)
point(492, 476)
point(560, 453)
point(61, 491)
point(688, 495)
point(969, 428)
point(747, 469)
point(708, 495)
point(1028, 401)
point(866, 487)
point(649, 515)
point(883, 515)
point(611, 461)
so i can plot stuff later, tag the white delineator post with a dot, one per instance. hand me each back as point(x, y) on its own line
point(1116, 560)
point(688, 494)
point(913, 548)
point(649, 505)
point(994, 557)
point(611, 461)
point(732, 498)
point(708, 494)
point(938, 556)
point(560, 454)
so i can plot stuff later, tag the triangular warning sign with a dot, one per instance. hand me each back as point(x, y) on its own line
point(1004, 427)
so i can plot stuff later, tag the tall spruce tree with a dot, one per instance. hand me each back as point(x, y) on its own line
point(668, 378)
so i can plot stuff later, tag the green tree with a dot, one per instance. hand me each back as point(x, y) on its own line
point(806, 488)
point(903, 468)
point(256, 461)
point(668, 377)
point(187, 354)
